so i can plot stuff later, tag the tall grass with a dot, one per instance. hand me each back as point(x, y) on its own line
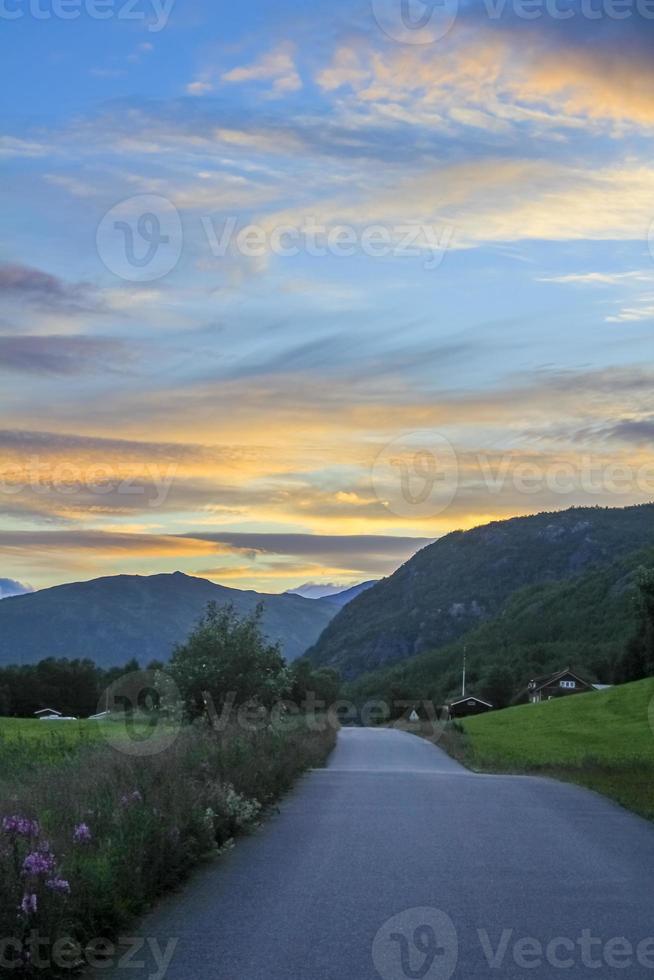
point(26, 747)
point(102, 833)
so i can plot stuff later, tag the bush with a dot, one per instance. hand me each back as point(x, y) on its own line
point(224, 656)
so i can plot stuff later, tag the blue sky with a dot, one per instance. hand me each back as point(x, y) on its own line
point(467, 336)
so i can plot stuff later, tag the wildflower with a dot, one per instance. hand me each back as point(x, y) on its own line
point(38, 863)
point(130, 798)
point(59, 885)
point(20, 827)
point(29, 905)
point(82, 834)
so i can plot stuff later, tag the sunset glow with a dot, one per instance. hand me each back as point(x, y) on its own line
point(480, 278)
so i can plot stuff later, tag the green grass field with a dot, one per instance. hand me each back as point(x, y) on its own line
point(71, 732)
point(603, 740)
point(27, 743)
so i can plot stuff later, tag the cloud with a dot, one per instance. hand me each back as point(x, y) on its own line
point(638, 307)
point(56, 355)
point(599, 278)
point(306, 556)
point(353, 555)
point(44, 291)
point(72, 478)
point(9, 587)
point(199, 87)
point(13, 147)
point(638, 431)
point(278, 67)
point(103, 543)
point(320, 545)
point(500, 200)
point(596, 84)
point(644, 310)
point(22, 442)
point(494, 81)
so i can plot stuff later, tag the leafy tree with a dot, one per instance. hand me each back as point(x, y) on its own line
point(5, 701)
point(638, 659)
point(498, 686)
point(646, 589)
point(226, 656)
point(323, 684)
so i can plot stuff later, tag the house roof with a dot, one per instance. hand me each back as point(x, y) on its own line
point(469, 697)
point(544, 681)
point(47, 711)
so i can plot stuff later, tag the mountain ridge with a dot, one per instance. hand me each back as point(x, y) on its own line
point(465, 578)
point(584, 622)
point(115, 618)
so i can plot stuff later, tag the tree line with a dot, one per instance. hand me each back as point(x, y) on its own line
point(224, 655)
point(229, 656)
point(73, 687)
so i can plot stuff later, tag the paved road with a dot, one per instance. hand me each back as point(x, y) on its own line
point(394, 828)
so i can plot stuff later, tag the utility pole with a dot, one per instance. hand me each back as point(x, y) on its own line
point(463, 686)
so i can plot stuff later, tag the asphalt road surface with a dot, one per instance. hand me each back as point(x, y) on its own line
point(397, 863)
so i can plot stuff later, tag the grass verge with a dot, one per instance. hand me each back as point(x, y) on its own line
point(603, 741)
point(90, 840)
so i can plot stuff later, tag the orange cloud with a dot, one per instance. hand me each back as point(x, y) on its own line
point(502, 77)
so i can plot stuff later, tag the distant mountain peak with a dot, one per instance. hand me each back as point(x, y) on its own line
point(318, 590)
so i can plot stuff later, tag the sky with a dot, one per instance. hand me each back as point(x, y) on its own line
point(291, 290)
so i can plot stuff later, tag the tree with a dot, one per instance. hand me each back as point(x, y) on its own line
point(638, 659)
point(498, 686)
point(226, 656)
point(323, 684)
point(5, 701)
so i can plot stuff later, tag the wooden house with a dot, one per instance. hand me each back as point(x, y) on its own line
point(557, 685)
point(469, 705)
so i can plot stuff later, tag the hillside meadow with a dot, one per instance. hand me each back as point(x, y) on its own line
point(603, 740)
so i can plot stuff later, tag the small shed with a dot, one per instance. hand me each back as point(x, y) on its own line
point(49, 714)
point(469, 705)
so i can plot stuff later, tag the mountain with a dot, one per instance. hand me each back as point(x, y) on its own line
point(334, 594)
point(584, 622)
point(111, 620)
point(465, 579)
